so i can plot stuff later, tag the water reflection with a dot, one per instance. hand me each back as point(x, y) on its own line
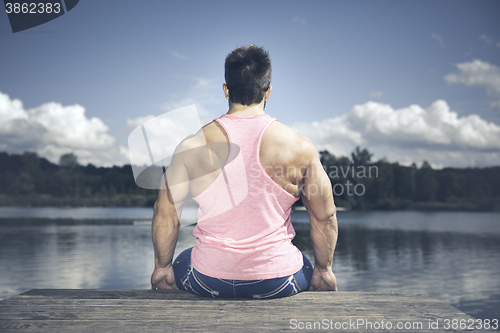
point(457, 265)
point(440, 254)
point(79, 256)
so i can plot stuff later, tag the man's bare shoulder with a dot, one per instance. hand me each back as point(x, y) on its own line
point(189, 143)
point(210, 131)
point(281, 135)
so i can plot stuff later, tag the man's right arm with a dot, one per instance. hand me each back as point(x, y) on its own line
point(317, 197)
point(174, 189)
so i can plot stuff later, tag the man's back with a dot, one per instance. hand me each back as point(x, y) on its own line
point(244, 229)
point(284, 155)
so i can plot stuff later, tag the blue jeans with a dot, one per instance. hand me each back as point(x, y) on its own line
point(189, 279)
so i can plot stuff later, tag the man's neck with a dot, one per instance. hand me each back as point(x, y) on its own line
point(236, 109)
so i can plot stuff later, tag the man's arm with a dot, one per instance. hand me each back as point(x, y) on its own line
point(165, 230)
point(165, 226)
point(317, 197)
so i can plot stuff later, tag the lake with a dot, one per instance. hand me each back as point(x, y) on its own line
point(453, 256)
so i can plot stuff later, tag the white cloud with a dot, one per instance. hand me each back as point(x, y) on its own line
point(478, 73)
point(487, 39)
point(69, 127)
point(135, 122)
point(410, 134)
point(439, 38)
point(299, 20)
point(52, 129)
point(495, 105)
point(178, 55)
point(157, 137)
point(376, 94)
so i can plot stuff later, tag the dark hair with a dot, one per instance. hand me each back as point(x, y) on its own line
point(247, 74)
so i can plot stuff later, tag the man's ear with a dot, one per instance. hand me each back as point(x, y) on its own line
point(226, 91)
point(268, 92)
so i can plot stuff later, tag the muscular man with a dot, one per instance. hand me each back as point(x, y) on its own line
point(245, 170)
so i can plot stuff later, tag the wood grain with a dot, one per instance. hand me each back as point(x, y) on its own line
point(77, 310)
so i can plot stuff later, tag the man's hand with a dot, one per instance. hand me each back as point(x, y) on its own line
point(323, 280)
point(163, 278)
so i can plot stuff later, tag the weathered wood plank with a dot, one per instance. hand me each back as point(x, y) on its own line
point(178, 311)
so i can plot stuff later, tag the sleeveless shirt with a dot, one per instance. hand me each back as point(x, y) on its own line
point(244, 230)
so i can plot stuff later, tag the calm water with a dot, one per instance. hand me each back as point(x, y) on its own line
point(453, 256)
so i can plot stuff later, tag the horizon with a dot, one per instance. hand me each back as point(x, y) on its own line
point(349, 168)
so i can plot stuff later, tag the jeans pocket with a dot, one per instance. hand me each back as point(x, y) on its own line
point(287, 288)
point(200, 287)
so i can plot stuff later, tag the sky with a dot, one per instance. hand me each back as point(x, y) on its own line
point(408, 80)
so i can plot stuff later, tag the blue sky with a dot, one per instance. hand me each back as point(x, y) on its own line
point(409, 80)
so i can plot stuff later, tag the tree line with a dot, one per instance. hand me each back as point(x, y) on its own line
point(358, 183)
point(30, 180)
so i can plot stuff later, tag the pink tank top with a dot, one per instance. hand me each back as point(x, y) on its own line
point(244, 230)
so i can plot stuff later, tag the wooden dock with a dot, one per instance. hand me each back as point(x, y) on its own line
point(77, 310)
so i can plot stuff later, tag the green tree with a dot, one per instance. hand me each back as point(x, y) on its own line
point(449, 185)
point(404, 181)
point(361, 157)
point(68, 160)
point(427, 184)
point(383, 185)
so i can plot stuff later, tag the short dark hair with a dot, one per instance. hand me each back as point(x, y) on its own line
point(247, 72)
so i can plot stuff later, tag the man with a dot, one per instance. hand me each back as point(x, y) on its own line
point(245, 170)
